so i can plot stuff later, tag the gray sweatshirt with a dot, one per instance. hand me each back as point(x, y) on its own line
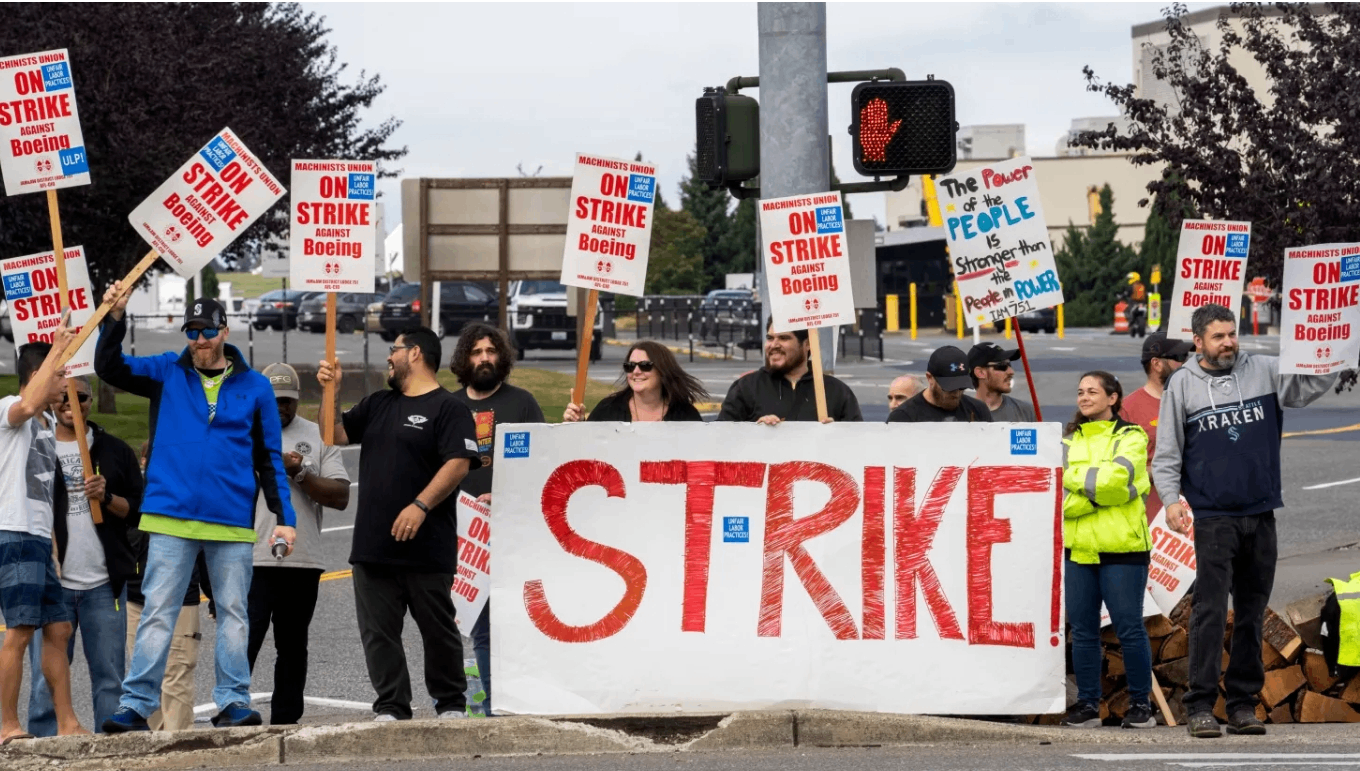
point(1219, 433)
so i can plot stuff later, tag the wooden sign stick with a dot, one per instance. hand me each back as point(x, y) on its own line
point(1029, 378)
point(818, 385)
point(328, 393)
point(583, 355)
point(103, 310)
point(63, 300)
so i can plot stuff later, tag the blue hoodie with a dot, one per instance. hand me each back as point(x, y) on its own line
point(208, 472)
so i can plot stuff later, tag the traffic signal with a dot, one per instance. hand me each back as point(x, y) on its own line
point(727, 127)
point(903, 127)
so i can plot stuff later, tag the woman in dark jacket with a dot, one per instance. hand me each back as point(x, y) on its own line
point(653, 387)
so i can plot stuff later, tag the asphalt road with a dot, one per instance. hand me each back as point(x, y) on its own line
point(1315, 524)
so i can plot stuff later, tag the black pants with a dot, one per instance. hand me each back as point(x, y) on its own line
point(1235, 557)
point(382, 595)
point(286, 597)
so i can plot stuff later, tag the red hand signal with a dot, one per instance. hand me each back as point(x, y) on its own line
point(874, 130)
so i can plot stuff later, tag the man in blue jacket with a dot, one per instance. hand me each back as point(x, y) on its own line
point(215, 445)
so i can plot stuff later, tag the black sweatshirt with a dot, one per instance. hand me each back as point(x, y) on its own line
point(760, 393)
point(117, 463)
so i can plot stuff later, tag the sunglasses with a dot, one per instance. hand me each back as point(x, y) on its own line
point(1001, 367)
point(1180, 357)
point(645, 366)
point(395, 348)
point(208, 333)
point(80, 397)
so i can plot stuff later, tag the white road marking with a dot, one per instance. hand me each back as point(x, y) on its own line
point(316, 701)
point(336, 529)
point(1232, 759)
point(1333, 484)
point(1060, 348)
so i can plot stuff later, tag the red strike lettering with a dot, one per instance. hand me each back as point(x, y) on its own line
point(215, 195)
point(341, 214)
point(873, 553)
point(985, 531)
point(804, 249)
point(1212, 270)
point(1324, 299)
point(915, 532)
point(612, 212)
point(30, 110)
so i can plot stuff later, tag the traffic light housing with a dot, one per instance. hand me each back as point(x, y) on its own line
point(727, 128)
point(903, 127)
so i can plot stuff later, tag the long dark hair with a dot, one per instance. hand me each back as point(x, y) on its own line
point(1111, 385)
point(677, 385)
point(473, 334)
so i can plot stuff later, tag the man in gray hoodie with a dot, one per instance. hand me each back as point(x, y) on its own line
point(1218, 446)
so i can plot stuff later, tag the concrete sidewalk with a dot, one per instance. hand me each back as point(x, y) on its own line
point(598, 734)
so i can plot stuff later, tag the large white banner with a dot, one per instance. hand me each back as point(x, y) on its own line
point(807, 261)
point(1211, 267)
point(609, 230)
point(41, 147)
point(31, 289)
point(998, 241)
point(714, 566)
point(332, 234)
point(1318, 329)
point(207, 204)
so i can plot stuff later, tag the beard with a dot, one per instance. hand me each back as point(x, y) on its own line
point(1224, 360)
point(397, 379)
point(206, 358)
point(792, 361)
point(486, 377)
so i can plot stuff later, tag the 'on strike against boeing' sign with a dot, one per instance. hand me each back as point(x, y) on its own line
point(924, 561)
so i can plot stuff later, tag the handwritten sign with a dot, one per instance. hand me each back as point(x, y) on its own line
point(609, 230)
point(332, 236)
point(31, 289)
point(41, 147)
point(1318, 333)
point(1211, 267)
point(807, 261)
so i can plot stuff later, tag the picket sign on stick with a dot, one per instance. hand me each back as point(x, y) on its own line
point(583, 354)
point(1029, 378)
point(328, 393)
point(98, 318)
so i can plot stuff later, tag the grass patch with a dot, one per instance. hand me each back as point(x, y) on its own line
point(249, 285)
point(130, 424)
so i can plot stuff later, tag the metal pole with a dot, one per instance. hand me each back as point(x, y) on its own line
point(794, 153)
point(283, 318)
point(250, 338)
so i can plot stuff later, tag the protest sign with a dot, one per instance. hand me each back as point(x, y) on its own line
point(1211, 267)
point(32, 292)
point(609, 232)
point(472, 583)
point(331, 235)
point(213, 198)
point(807, 261)
point(1321, 309)
point(41, 147)
point(998, 241)
point(924, 560)
point(1173, 564)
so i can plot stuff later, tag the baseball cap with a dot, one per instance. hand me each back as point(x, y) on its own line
point(1158, 346)
point(206, 312)
point(949, 366)
point(983, 354)
point(284, 379)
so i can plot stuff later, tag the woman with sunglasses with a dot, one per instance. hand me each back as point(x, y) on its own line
point(653, 387)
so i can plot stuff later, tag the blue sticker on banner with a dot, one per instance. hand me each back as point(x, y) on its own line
point(517, 445)
point(1024, 442)
point(74, 161)
point(829, 220)
point(1237, 245)
point(641, 188)
point(361, 187)
point(1350, 268)
point(56, 76)
point(736, 530)
point(18, 286)
point(218, 153)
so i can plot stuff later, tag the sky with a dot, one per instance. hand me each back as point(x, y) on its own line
point(485, 88)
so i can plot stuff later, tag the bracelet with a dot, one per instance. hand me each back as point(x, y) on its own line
point(108, 498)
point(420, 505)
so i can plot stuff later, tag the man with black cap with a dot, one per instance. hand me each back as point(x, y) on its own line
point(944, 400)
point(215, 446)
point(989, 365)
point(1161, 357)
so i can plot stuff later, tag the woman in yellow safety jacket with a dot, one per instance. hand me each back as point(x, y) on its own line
point(1107, 542)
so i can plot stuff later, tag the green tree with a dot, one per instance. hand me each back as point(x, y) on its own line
point(711, 209)
point(209, 285)
point(675, 264)
point(739, 242)
point(1093, 266)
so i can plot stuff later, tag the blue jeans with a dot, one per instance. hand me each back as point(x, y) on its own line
point(169, 564)
point(102, 621)
point(481, 648)
point(1121, 587)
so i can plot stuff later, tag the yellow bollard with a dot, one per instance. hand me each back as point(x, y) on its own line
point(1008, 329)
point(890, 310)
point(912, 310)
point(958, 310)
point(1060, 321)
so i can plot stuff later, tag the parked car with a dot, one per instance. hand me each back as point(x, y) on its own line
point(538, 316)
point(279, 306)
point(350, 308)
point(6, 331)
point(1045, 320)
point(720, 302)
point(373, 316)
point(460, 302)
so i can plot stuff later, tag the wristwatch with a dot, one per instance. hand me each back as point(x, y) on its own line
point(302, 473)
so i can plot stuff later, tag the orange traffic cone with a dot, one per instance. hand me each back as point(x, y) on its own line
point(1121, 322)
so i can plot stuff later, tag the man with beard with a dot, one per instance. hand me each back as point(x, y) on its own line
point(481, 361)
point(417, 444)
point(214, 448)
point(1161, 357)
point(783, 389)
point(989, 366)
point(943, 401)
point(1219, 447)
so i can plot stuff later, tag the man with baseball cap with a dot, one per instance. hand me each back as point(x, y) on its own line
point(989, 366)
point(943, 400)
point(283, 591)
point(1161, 357)
point(215, 447)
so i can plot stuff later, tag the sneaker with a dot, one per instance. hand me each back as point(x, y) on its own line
point(1139, 716)
point(1082, 715)
point(1243, 722)
point(1203, 725)
point(452, 714)
point(385, 718)
point(124, 720)
point(237, 714)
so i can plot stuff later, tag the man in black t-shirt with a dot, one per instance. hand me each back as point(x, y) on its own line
point(481, 361)
point(418, 443)
point(944, 401)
